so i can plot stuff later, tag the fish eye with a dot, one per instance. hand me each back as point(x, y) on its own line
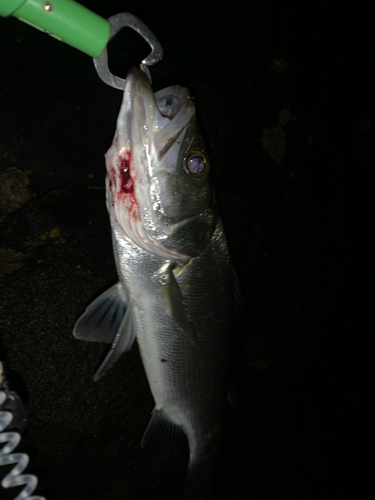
point(196, 164)
point(164, 102)
point(167, 106)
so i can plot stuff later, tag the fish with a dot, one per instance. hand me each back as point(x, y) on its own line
point(175, 281)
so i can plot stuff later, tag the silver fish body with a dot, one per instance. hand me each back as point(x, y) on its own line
point(175, 279)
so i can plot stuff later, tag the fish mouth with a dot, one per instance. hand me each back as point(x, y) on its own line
point(145, 142)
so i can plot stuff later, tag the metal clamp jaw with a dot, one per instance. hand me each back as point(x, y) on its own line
point(117, 22)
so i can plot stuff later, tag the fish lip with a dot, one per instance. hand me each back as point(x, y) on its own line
point(159, 131)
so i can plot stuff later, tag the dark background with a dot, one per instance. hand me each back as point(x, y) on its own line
point(282, 93)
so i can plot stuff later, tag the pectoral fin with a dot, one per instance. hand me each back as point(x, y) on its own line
point(122, 342)
point(102, 318)
point(108, 319)
point(173, 303)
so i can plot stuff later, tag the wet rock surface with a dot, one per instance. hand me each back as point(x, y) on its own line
point(282, 98)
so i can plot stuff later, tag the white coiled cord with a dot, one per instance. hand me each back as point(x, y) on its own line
point(11, 440)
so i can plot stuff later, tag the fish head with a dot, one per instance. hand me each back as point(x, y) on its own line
point(159, 193)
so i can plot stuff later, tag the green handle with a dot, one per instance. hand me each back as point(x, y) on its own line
point(65, 20)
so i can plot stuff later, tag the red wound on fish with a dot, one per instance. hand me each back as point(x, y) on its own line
point(126, 180)
point(125, 194)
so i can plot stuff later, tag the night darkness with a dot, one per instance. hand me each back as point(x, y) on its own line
point(282, 92)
